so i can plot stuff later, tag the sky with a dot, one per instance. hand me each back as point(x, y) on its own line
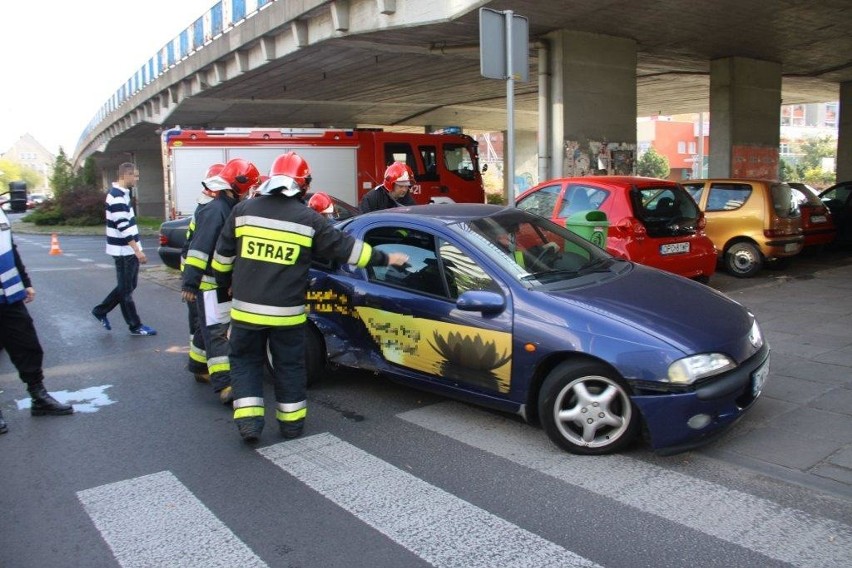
point(61, 60)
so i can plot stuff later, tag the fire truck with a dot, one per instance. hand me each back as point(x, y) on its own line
point(344, 163)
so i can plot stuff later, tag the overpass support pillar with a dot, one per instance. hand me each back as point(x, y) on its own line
point(150, 197)
point(592, 104)
point(844, 133)
point(745, 105)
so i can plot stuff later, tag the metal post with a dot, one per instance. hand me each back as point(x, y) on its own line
point(510, 110)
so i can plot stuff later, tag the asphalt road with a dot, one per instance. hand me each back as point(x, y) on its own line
point(150, 471)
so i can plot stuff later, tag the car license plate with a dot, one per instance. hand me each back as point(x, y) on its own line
point(758, 378)
point(791, 247)
point(674, 248)
point(818, 219)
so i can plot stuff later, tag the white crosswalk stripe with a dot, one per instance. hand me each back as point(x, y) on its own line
point(436, 526)
point(763, 526)
point(156, 521)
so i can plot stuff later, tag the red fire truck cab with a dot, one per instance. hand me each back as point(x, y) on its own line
point(344, 163)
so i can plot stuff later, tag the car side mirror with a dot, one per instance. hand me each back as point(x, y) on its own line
point(481, 301)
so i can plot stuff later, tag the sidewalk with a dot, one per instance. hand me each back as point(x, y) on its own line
point(801, 427)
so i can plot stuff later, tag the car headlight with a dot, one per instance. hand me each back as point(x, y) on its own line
point(689, 369)
point(755, 337)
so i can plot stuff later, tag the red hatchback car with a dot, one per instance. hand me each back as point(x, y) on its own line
point(651, 221)
point(817, 222)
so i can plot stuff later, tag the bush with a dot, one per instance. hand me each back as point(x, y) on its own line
point(82, 206)
point(45, 214)
point(495, 198)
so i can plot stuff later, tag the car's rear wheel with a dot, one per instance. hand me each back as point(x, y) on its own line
point(743, 260)
point(585, 409)
point(315, 362)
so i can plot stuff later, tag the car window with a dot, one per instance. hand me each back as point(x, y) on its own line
point(422, 274)
point(461, 272)
point(728, 196)
point(664, 204)
point(837, 196)
point(805, 196)
point(783, 202)
point(541, 202)
point(581, 198)
point(695, 190)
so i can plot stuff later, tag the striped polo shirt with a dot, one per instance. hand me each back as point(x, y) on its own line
point(120, 222)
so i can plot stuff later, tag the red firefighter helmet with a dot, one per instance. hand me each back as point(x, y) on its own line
point(321, 203)
point(213, 170)
point(238, 174)
point(289, 175)
point(399, 173)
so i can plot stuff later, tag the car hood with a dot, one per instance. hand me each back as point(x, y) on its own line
point(690, 316)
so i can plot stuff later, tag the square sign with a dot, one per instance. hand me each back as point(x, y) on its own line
point(492, 45)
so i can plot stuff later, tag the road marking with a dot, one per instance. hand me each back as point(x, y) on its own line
point(763, 526)
point(86, 400)
point(433, 524)
point(155, 520)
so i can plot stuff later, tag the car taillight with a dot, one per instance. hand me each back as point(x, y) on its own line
point(702, 222)
point(771, 233)
point(637, 229)
point(163, 240)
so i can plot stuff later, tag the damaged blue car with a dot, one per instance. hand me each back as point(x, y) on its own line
point(505, 309)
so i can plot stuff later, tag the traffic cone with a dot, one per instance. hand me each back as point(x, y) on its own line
point(54, 245)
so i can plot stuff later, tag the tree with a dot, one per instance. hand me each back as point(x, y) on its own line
point(13, 171)
point(653, 164)
point(63, 178)
point(814, 149)
point(787, 172)
point(89, 174)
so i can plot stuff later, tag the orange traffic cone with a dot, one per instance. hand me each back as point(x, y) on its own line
point(54, 244)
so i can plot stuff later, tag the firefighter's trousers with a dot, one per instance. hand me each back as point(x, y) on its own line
point(248, 356)
point(213, 308)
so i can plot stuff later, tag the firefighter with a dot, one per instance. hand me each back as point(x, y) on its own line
point(235, 180)
point(395, 190)
point(263, 256)
point(17, 331)
point(197, 355)
point(322, 204)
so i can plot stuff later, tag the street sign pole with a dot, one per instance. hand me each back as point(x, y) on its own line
point(510, 110)
point(504, 54)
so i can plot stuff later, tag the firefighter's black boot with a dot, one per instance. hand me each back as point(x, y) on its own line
point(3, 427)
point(43, 404)
point(250, 428)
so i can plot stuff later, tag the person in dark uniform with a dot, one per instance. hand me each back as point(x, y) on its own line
point(17, 331)
point(263, 255)
point(199, 286)
point(395, 190)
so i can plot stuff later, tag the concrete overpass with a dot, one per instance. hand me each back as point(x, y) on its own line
point(594, 67)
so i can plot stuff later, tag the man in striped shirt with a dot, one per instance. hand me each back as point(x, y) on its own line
point(124, 246)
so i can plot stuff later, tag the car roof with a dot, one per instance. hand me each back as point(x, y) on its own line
point(441, 213)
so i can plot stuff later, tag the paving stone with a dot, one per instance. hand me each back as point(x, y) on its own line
point(815, 423)
point(837, 400)
point(842, 458)
point(782, 447)
point(841, 474)
point(795, 390)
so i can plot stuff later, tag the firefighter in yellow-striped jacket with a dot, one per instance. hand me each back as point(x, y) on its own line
point(263, 255)
point(199, 286)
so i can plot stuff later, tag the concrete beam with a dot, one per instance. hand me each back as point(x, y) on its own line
point(267, 48)
point(844, 133)
point(300, 32)
point(386, 7)
point(340, 15)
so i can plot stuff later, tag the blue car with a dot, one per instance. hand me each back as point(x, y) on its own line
point(505, 309)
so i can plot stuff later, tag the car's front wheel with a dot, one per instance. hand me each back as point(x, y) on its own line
point(743, 260)
point(585, 409)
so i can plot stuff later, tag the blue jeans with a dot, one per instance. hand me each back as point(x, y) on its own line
point(127, 274)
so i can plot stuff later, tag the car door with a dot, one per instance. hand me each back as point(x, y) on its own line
point(415, 329)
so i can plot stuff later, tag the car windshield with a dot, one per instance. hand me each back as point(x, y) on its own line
point(535, 250)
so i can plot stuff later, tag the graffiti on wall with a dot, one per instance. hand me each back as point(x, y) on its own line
point(598, 158)
point(754, 162)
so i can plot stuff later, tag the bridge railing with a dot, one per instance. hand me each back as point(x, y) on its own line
point(220, 18)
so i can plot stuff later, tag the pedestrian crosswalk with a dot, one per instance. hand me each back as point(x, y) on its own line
point(156, 520)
